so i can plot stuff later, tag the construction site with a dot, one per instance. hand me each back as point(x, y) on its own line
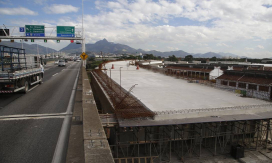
point(184, 113)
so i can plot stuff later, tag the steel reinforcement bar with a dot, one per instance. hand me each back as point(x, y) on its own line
point(125, 104)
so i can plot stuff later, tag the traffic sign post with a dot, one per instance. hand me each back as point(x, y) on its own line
point(65, 31)
point(34, 30)
point(83, 56)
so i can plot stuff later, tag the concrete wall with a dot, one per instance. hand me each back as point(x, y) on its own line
point(96, 146)
point(103, 98)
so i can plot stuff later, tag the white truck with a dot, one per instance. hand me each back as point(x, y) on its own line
point(18, 71)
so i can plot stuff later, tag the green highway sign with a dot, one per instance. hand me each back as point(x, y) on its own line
point(65, 31)
point(34, 30)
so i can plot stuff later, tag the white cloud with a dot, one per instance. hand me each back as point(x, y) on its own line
point(172, 48)
point(40, 2)
point(145, 24)
point(260, 46)
point(247, 48)
point(17, 11)
point(60, 9)
point(223, 44)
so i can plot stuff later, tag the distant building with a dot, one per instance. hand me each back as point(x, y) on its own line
point(251, 83)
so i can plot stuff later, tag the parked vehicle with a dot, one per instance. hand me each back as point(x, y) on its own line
point(18, 71)
point(61, 63)
point(57, 62)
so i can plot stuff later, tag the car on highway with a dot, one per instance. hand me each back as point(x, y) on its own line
point(57, 62)
point(61, 63)
point(78, 60)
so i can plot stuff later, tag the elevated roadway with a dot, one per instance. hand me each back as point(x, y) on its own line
point(30, 123)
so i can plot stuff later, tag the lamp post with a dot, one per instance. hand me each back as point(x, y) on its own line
point(110, 78)
point(120, 80)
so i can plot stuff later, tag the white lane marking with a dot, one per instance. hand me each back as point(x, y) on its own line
point(55, 74)
point(33, 88)
point(27, 118)
point(31, 116)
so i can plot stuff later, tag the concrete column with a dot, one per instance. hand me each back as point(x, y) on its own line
point(228, 83)
point(237, 85)
point(246, 86)
point(258, 86)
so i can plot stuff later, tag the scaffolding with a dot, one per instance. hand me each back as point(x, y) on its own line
point(180, 142)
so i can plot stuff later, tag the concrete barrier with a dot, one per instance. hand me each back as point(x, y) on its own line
point(96, 147)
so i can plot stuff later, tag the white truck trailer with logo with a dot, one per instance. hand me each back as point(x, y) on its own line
point(18, 71)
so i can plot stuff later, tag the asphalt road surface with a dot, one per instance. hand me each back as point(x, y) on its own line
point(30, 123)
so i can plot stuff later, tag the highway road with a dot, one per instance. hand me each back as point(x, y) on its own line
point(30, 123)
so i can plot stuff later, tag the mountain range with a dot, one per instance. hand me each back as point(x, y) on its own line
point(110, 47)
point(29, 49)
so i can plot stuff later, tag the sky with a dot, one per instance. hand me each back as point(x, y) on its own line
point(241, 27)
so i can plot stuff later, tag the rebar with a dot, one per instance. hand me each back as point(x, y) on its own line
point(125, 104)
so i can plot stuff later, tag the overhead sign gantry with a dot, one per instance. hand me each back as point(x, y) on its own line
point(39, 32)
point(34, 30)
point(65, 31)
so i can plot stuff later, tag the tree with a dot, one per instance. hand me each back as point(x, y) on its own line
point(149, 56)
point(91, 59)
point(188, 58)
point(172, 58)
point(213, 59)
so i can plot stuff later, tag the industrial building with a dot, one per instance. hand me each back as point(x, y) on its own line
point(252, 83)
point(155, 117)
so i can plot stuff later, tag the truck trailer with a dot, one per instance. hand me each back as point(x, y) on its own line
point(18, 70)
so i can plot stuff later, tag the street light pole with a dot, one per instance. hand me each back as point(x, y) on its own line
point(83, 36)
point(120, 81)
point(110, 78)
